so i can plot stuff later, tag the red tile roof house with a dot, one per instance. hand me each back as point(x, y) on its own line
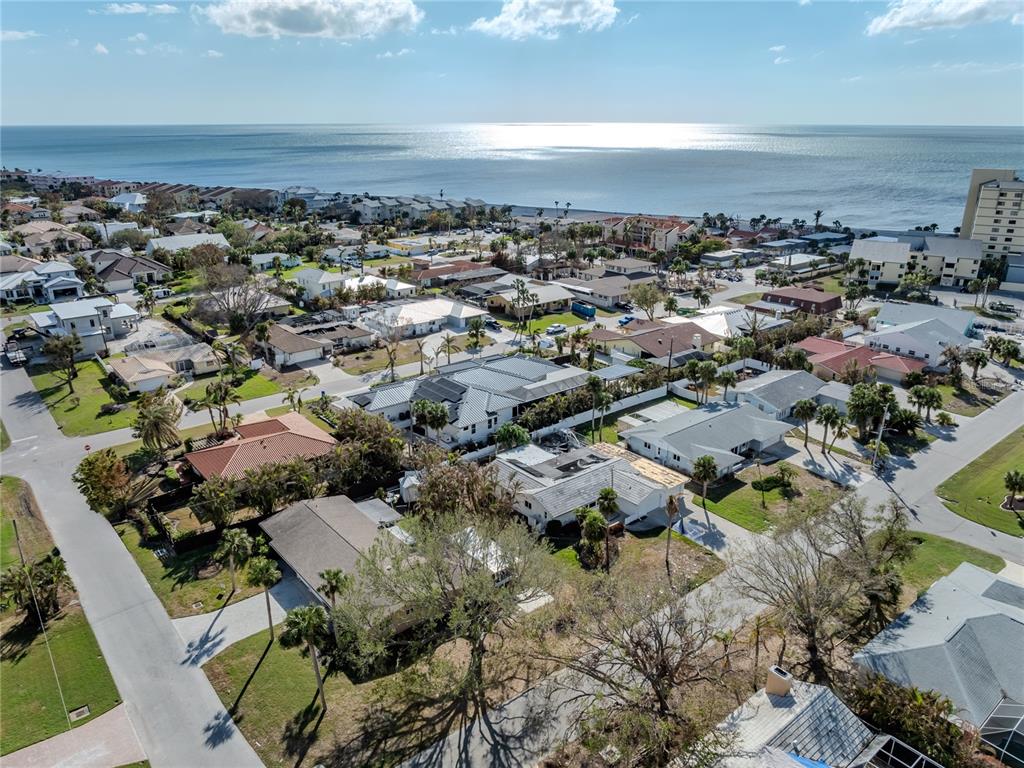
point(283, 438)
point(808, 300)
point(830, 358)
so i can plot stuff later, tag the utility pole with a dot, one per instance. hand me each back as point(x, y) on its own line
point(878, 440)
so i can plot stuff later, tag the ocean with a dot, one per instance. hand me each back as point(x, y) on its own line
point(875, 176)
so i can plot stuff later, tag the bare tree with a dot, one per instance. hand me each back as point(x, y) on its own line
point(232, 296)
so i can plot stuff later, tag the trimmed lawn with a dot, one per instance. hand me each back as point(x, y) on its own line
point(23, 309)
point(977, 490)
point(971, 400)
point(610, 433)
point(305, 411)
point(255, 385)
point(746, 298)
point(17, 502)
point(30, 706)
point(184, 284)
point(830, 284)
point(680, 401)
point(935, 556)
point(541, 324)
point(78, 413)
point(5, 439)
point(175, 579)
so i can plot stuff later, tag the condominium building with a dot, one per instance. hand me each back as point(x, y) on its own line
point(993, 214)
point(646, 233)
point(887, 260)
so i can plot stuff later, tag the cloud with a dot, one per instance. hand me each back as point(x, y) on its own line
point(14, 35)
point(631, 19)
point(166, 49)
point(777, 48)
point(101, 49)
point(935, 14)
point(152, 9)
point(333, 19)
point(803, 2)
point(781, 60)
point(522, 19)
point(987, 68)
point(395, 54)
point(912, 41)
point(138, 37)
point(212, 54)
point(138, 51)
point(73, 42)
point(853, 79)
point(449, 31)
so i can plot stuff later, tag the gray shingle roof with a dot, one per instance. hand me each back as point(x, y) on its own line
point(781, 389)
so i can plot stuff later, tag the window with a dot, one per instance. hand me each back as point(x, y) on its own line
point(994, 229)
point(926, 355)
point(528, 505)
point(897, 349)
point(1009, 231)
point(910, 352)
point(92, 323)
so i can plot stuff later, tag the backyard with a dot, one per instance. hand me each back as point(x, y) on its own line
point(78, 413)
point(977, 491)
point(187, 584)
point(737, 500)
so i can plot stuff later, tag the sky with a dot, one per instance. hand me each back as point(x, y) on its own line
point(917, 62)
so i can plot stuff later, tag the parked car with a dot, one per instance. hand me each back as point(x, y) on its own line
point(161, 293)
point(491, 323)
point(626, 320)
point(555, 329)
point(625, 306)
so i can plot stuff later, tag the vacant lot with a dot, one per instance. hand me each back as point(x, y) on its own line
point(977, 490)
point(18, 505)
point(78, 413)
point(368, 360)
point(972, 398)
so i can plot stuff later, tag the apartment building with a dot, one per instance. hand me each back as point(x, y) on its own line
point(993, 215)
point(887, 260)
point(646, 233)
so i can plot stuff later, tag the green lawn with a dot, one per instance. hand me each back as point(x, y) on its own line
point(977, 490)
point(176, 582)
point(935, 556)
point(746, 298)
point(78, 413)
point(970, 400)
point(541, 324)
point(22, 309)
point(185, 284)
point(368, 360)
point(609, 434)
point(681, 401)
point(255, 385)
point(5, 439)
point(831, 284)
point(30, 706)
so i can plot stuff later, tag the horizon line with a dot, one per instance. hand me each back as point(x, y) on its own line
point(512, 122)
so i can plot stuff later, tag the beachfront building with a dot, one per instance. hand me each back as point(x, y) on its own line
point(887, 260)
point(993, 215)
point(646, 234)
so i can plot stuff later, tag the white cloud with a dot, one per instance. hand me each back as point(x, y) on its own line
point(73, 42)
point(631, 19)
point(334, 19)
point(782, 60)
point(448, 31)
point(934, 14)
point(803, 2)
point(395, 54)
point(522, 19)
point(777, 48)
point(912, 41)
point(152, 9)
point(138, 51)
point(212, 54)
point(987, 68)
point(853, 79)
point(14, 35)
point(101, 49)
point(138, 37)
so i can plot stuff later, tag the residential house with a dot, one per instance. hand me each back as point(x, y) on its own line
point(793, 724)
point(924, 340)
point(46, 282)
point(75, 213)
point(264, 262)
point(798, 264)
point(655, 339)
point(887, 260)
point(730, 434)
point(355, 254)
point(118, 272)
point(727, 322)
point(544, 298)
point(286, 347)
point(550, 487)
point(55, 238)
point(140, 373)
point(179, 195)
point(282, 438)
point(784, 247)
point(393, 288)
point(835, 359)
point(331, 326)
point(270, 305)
point(184, 242)
point(963, 638)
point(418, 318)
point(809, 300)
point(132, 202)
point(17, 212)
point(95, 320)
point(345, 235)
point(107, 229)
point(317, 282)
point(893, 313)
point(775, 393)
point(316, 535)
point(627, 266)
point(604, 292)
point(730, 257)
point(186, 227)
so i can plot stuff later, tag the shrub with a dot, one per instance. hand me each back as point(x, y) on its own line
point(172, 474)
point(769, 483)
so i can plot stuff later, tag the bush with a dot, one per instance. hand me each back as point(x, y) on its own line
point(172, 474)
point(769, 483)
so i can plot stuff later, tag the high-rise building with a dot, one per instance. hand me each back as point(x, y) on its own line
point(994, 214)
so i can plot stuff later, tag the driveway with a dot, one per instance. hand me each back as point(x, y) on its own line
point(101, 743)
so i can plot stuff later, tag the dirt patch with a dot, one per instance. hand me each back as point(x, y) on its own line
point(298, 378)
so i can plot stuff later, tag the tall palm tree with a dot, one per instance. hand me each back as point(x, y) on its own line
point(705, 471)
point(235, 547)
point(671, 513)
point(292, 398)
point(156, 421)
point(222, 395)
point(335, 581)
point(1014, 482)
point(595, 386)
point(975, 358)
point(449, 346)
point(726, 379)
point(307, 625)
point(263, 572)
point(805, 410)
point(828, 417)
point(607, 505)
point(476, 331)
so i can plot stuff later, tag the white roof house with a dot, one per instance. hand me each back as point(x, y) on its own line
point(894, 313)
point(922, 340)
point(394, 288)
point(178, 242)
point(881, 250)
point(421, 317)
point(133, 202)
point(318, 282)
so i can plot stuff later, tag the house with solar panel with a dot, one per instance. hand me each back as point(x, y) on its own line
point(480, 394)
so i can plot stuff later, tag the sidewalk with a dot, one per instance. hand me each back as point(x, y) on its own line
point(107, 741)
point(208, 634)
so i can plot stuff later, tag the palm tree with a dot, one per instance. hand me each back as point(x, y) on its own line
point(156, 421)
point(292, 398)
point(235, 547)
point(817, 218)
point(671, 305)
point(705, 471)
point(449, 346)
point(671, 513)
point(975, 358)
point(475, 332)
point(263, 572)
point(726, 379)
point(595, 386)
point(307, 625)
point(1014, 481)
point(805, 410)
point(607, 505)
point(420, 344)
point(334, 582)
point(701, 296)
point(222, 396)
point(828, 417)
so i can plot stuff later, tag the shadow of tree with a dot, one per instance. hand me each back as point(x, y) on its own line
point(18, 639)
point(219, 729)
